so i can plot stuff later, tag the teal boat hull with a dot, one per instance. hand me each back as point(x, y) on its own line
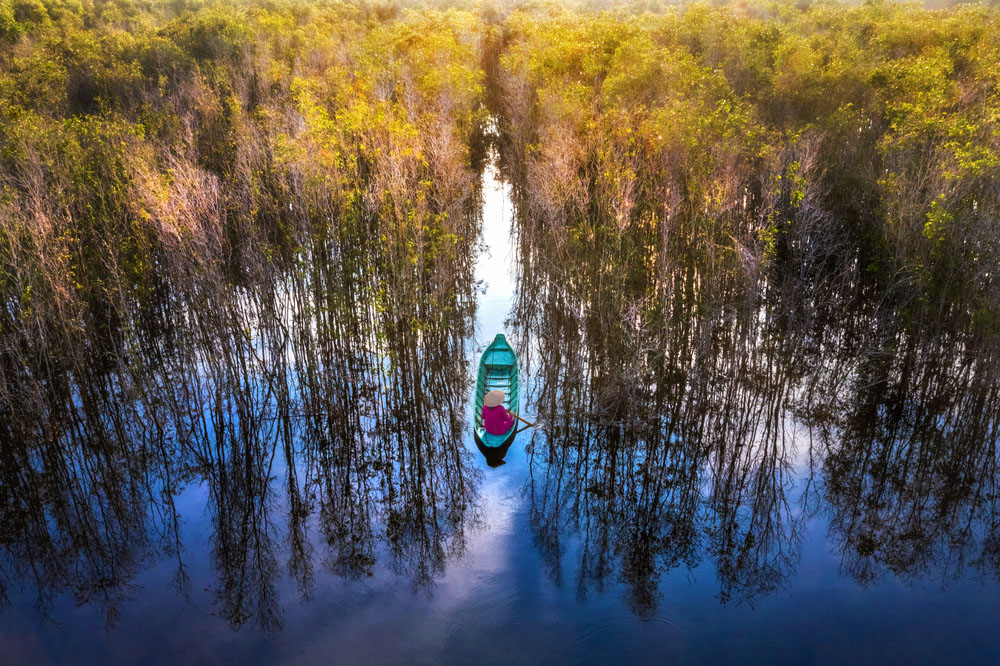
point(498, 370)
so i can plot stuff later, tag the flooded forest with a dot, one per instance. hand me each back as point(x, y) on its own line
point(754, 252)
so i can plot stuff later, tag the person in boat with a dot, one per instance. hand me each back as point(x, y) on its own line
point(496, 419)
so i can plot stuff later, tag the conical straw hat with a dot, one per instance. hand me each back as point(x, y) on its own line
point(493, 398)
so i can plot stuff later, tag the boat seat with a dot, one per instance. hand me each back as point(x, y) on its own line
point(501, 359)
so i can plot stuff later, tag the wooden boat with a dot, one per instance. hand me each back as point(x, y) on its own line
point(497, 370)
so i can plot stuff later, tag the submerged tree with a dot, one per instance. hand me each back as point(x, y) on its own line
point(235, 244)
point(235, 253)
point(728, 217)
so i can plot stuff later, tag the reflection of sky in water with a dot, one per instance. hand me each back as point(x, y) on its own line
point(501, 602)
point(494, 267)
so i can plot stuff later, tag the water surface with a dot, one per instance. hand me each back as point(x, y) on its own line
point(744, 482)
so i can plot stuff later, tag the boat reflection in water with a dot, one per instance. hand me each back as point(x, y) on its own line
point(495, 455)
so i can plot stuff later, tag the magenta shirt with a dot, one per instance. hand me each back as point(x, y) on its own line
point(497, 420)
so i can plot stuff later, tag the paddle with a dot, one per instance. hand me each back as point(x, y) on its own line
point(533, 425)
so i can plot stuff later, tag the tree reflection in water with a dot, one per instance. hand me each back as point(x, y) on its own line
point(690, 418)
point(910, 461)
point(332, 396)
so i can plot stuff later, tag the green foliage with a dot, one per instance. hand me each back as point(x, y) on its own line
point(153, 151)
point(784, 140)
point(808, 139)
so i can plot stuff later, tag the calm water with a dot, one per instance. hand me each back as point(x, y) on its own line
point(723, 491)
